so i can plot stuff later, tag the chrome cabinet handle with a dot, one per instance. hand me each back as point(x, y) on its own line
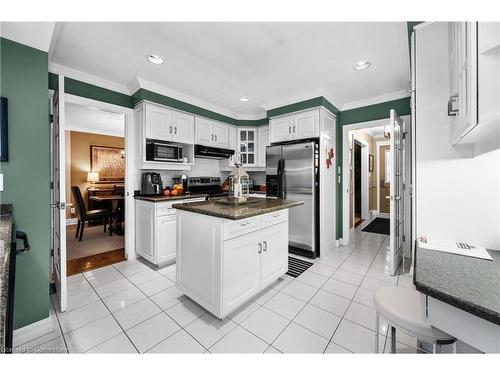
point(289, 130)
point(175, 130)
point(170, 130)
point(243, 224)
point(265, 245)
point(294, 128)
point(277, 215)
point(260, 248)
point(216, 138)
point(212, 137)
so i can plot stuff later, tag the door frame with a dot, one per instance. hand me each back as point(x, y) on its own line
point(129, 163)
point(378, 145)
point(365, 192)
point(345, 170)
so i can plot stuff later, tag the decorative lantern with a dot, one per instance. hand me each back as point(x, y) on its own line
point(239, 184)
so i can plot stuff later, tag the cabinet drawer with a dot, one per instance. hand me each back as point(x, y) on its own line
point(274, 218)
point(165, 210)
point(240, 227)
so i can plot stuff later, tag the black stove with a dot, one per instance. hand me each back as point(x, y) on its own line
point(206, 185)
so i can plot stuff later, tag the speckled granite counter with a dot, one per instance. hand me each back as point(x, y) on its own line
point(161, 198)
point(5, 242)
point(254, 207)
point(470, 284)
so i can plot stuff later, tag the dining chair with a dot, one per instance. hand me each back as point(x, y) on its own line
point(119, 213)
point(85, 216)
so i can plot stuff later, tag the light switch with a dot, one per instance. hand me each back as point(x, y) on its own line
point(1, 181)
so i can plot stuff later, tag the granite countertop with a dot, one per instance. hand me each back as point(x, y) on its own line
point(254, 207)
point(5, 242)
point(470, 284)
point(161, 198)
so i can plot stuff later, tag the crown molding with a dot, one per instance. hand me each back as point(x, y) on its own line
point(375, 100)
point(138, 83)
point(87, 78)
point(292, 99)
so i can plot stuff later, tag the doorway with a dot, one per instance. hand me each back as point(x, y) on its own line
point(60, 196)
point(357, 175)
point(95, 177)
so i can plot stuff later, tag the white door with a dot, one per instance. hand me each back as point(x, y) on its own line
point(281, 129)
point(262, 143)
point(58, 194)
point(306, 125)
point(166, 242)
point(203, 131)
point(241, 270)
point(183, 127)
point(158, 123)
point(396, 180)
point(274, 259)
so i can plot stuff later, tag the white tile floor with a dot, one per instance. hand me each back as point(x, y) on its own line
point(130, 308)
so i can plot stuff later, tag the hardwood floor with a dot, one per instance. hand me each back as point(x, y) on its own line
point(94, 261)
point(357, 221)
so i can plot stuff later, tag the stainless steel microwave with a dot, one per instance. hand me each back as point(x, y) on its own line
point(162, 151)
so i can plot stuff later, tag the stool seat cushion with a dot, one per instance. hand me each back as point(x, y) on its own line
point(404, 308)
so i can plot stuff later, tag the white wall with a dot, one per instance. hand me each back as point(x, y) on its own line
point(457, 188)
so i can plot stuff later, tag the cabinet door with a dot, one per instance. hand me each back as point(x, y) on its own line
point(203, 131)
point(221, 135)
point(183, 131)
point(281, 129)
point(247, 139)
point(274, 260)
point(158, 123)
point(144, 230)
point(232, 138)
point(263, 142)
point(241, 270)
point(306, 125)
point(166, 238)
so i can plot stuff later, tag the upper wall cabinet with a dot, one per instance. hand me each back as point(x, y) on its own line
point(263, 142)
point(166, 124)
point(211, 133)
point(474, 58)
point(301, 125)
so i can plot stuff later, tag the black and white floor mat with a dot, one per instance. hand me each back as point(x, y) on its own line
point(297, 266)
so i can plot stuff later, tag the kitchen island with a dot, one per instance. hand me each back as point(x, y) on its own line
point(461, 295)
point(226, 254)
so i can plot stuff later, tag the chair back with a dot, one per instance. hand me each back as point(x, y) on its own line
point(80, 205)
point(119, 190)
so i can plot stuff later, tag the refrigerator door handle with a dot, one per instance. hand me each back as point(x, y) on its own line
point(282, 180)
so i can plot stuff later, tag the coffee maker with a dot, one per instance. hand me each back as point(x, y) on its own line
point(151, 184)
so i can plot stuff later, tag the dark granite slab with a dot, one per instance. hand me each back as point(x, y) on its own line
point(470, 284)
point(161, 198)
point(254, 207)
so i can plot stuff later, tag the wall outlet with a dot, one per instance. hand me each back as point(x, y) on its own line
point(72, 210)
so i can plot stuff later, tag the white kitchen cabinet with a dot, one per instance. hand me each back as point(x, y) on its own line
point(183, 127)
point(241, 270)
point(155, 229)
point(158, 122)
point(274, 259)
point(281, 129)
point(262, 143)
point(240, 258)
point(300, 125)
point(247, 146)
point(211, 133)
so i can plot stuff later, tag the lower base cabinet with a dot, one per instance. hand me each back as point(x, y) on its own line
point(229, 262)
point(156, 230)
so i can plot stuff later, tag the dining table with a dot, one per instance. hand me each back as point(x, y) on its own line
point(113, 201)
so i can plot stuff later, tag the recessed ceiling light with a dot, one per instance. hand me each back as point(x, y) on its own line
point(362, 65)
point(244, 99)
point(155, 59)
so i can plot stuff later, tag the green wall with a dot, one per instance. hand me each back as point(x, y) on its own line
point(23, 81)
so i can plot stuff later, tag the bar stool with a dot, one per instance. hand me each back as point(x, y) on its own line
point(402, 307)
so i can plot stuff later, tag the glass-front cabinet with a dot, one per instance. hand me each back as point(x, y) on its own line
point(247, 146)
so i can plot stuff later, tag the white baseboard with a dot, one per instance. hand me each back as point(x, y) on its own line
point(373, 214)
point(33, 331)
point(71, 221)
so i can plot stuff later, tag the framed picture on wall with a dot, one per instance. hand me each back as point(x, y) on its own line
point(4, 139)
point(370, 163)
point(109, 162)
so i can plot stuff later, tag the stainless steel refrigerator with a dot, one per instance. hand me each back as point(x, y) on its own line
point(292, 172)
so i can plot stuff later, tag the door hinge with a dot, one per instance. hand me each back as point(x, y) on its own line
point(51, 185)
point(51, 119)
point(404, 238)
point(51, 252)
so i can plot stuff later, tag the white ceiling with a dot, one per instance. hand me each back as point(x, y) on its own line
point(92, 120)
point(34, 34)
point(272, 63)
point(375, 132)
